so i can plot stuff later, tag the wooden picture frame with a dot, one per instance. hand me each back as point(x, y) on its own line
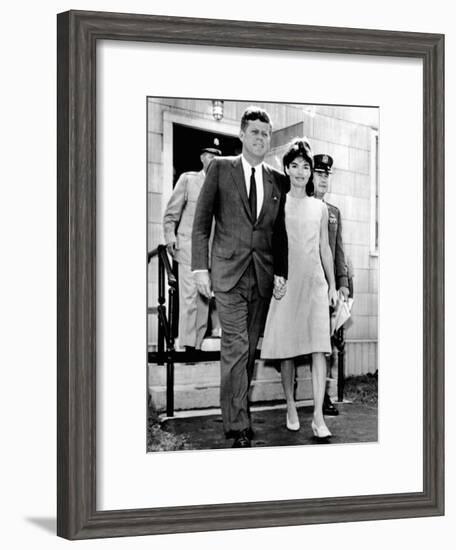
point(78, 32)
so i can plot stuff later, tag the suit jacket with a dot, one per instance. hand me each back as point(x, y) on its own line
point(237, 238)
point(336, 245)
point(179, 214)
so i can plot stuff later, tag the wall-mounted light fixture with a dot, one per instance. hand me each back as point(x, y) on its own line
point(217, 109)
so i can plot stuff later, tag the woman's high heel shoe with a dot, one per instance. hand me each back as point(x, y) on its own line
point(293, 426)
point(321, 432)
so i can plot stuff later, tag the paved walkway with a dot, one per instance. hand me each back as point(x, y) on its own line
point(356, 423)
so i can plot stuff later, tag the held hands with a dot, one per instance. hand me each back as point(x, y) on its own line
point(280, 287)
point(344, 292)
point(332, 296)
point(203, 283)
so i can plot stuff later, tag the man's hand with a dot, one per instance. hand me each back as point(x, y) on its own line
point(203, 283)
point(280, 287)
point(345, 292)
point(171, 247)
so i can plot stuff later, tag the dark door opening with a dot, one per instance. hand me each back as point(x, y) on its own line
point(187, 145)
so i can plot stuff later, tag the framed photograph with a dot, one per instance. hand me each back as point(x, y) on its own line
point(160, 120)
point(184, 374)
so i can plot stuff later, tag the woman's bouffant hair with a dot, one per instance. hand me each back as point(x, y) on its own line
point(299, 147)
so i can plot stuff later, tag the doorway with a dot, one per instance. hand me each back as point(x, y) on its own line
point(187, 145)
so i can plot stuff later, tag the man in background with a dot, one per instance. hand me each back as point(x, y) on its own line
point(321, 179)
point(177, 227)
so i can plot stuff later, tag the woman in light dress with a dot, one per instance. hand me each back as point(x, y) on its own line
point(298, 321)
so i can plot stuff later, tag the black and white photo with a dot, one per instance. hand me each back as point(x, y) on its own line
point(263, 251)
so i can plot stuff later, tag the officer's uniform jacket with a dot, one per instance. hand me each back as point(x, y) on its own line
point(180, 212)
point(336, 245)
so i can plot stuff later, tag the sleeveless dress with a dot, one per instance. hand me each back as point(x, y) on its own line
point(298, 324)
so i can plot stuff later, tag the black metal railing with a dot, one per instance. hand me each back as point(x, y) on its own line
point(167, 326)
point(166, 320)
point(339, 343)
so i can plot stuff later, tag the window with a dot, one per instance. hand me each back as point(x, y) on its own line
point(374, 193)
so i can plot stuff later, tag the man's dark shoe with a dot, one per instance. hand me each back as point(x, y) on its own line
point(328, 407)
point(242, 440)
point(230, 434)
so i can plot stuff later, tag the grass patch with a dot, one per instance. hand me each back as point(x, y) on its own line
point(158, 439)
point(362, 389)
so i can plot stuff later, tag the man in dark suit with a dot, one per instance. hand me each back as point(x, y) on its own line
point(321, 178)
point(249, 259)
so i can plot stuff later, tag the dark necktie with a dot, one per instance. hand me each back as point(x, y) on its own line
point(253, 196)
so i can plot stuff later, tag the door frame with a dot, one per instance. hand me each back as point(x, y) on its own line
point(197, 121)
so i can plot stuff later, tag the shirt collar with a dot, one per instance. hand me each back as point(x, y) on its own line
point(248, 167)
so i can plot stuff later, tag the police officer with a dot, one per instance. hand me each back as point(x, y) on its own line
point(177, 226)
point(321, 178)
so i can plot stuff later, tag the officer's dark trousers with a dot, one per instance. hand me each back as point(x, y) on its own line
point(242, 314)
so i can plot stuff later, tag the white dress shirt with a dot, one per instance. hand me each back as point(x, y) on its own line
point(258, 179)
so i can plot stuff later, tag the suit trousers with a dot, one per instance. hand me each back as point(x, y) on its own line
point(242, 311)
point(193, 310)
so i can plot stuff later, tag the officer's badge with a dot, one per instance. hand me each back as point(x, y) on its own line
point(324, 159)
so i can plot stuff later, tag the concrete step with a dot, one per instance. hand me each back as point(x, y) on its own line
point(197, 386)
point(204, 372)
